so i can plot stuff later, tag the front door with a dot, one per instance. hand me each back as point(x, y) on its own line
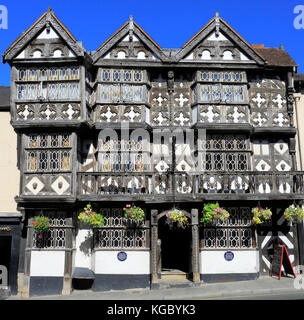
point(175, 247)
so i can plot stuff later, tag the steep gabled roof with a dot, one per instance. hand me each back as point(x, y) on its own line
point(275, 56)
point(47, 18)
point(218, 24)
point(120, 33)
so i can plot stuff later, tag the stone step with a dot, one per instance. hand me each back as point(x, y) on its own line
point(173, 274)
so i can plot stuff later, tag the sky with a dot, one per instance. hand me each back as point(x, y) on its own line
point(170, 23)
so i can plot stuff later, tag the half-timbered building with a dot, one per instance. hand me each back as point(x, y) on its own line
point(133, 123)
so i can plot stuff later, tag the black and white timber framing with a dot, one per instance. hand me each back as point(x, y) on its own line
point(69, 108)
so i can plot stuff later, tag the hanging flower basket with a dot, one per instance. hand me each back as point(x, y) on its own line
point(213, 213)
point(88, 216)
point(294, 214)
point(134, 213)
point(178, 217)
point(41, 224)
point(261, 215)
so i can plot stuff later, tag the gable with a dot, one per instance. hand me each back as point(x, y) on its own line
point(129, 42)
point(217, 41)
point(47, 37)
point(48, 44)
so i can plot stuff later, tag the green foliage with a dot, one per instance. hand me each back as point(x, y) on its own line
point(294, 213)
point(177, 216)
point(212, 211)
point(41, 224)
point(261, 215)
point(135, 213)
point(91, 217)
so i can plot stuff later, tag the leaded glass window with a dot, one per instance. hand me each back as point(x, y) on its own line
point(74, 91)
point(119, 233)
point(48, 152)
point(216, 92)
point(55, 237)
point(235, 233)
point(205, 93)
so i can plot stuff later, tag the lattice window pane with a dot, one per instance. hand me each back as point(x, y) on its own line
point(242, 162)
point(116, 75)
point(32, 91)
point(105, 94)
point(74, 91)
point(246, 238)
point(230, 161)
point(128, 239)
point(238, 94)
point(216, 92)
point(74, 73)
point(32, 161)
point(221, 238)
point(227, 93)
point(106, 75)
point(63, 91)
point(127, 92)
point(116, 237)
point(138, 75)
point(205, 93)
point(138, 93)
point(234, 238)
point(218, 161)
point(54, 160)
point(209, 238)
point(115, 93)
point(43, 160)
point(22, 75)
point(65, 160)
point(127, 75)
point(21, 92)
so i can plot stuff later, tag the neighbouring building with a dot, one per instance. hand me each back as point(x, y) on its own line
point(9, 187)
point(115, 126)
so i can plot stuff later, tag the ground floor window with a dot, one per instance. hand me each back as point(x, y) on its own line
point(55, 237)
point(236, 233)
point(119, 232)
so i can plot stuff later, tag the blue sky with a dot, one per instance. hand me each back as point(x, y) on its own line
point(169, 22)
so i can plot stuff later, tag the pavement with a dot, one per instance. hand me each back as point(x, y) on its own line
point(262, 286)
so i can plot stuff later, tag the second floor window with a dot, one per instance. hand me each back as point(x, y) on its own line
point(122, 93)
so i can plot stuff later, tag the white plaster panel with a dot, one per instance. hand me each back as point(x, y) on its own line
point(213, 262)
point(137, 262)
point(46, 263)
point(48, 35)
point(83, 254)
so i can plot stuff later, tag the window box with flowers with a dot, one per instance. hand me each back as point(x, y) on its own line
point(176, 217)
point(261, 215)
point(135, 214)
point(294, 214)
point(90, 218)
point(213, 213)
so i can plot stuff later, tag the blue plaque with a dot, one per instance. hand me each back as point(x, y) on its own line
point(228, 255)
point(121, 256)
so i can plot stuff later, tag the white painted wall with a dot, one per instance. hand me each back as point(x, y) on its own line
point(213, 262)
point(47, 263)
point(137, 262)
point(83, 255)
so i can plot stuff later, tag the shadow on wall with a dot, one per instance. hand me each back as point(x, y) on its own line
point(86, 246)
